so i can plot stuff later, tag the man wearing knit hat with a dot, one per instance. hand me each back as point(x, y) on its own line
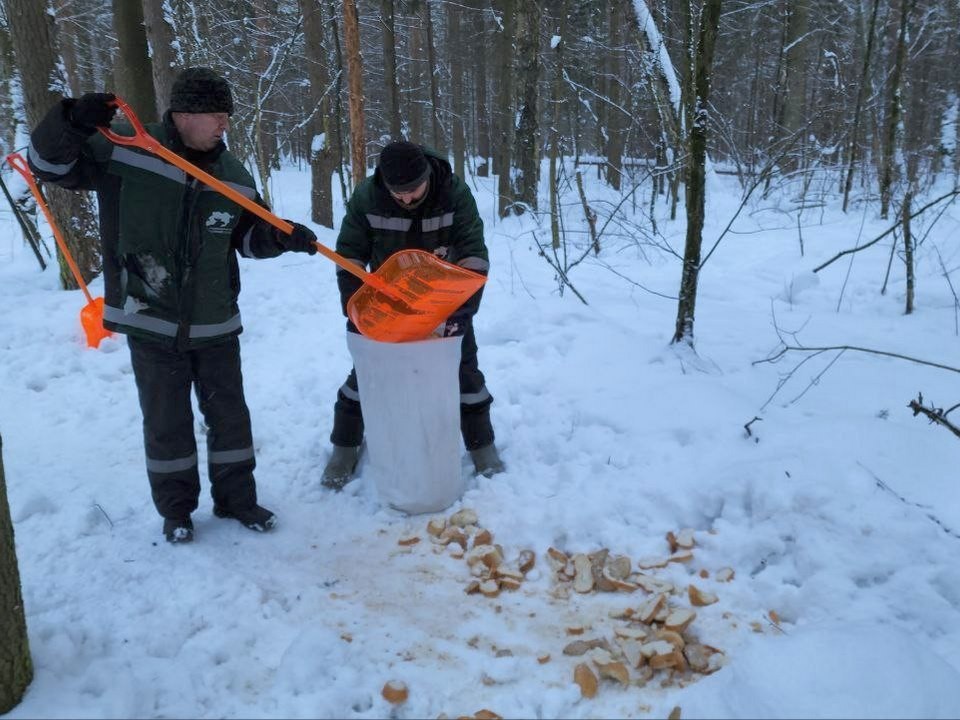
point(413, 200)
point(171, 278)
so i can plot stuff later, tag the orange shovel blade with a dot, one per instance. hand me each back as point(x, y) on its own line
point(431, 288)
point(91, 317)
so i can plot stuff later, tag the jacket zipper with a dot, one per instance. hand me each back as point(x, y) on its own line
point(182, 262)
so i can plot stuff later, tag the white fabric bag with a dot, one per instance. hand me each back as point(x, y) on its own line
point(410, 393)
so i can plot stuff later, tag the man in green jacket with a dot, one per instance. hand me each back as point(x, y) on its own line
point(413, 200)
point(169, 246)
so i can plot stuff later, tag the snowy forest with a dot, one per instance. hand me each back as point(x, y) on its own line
point(847, 100)
point(649, 172)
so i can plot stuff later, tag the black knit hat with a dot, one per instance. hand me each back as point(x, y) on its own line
point(200, 90)
point(403, 166)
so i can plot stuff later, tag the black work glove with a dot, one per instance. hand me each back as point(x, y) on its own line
point(93, 110)
point(301, 239)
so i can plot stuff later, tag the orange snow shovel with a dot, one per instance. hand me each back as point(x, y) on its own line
point(91, 317)
point(407, 298)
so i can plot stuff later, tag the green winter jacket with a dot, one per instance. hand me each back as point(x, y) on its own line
point(446, 224)
point(169, 242)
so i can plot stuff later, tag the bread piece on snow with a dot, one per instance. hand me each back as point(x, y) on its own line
point(464, 517)
point(724, 574)
point(436, 526)
point(700, 598)
point(679, 619)
point(583, 573)
point(586, 679)
point(395, 692)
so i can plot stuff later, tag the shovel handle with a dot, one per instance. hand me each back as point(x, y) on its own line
point(142, 139)
point(16, 161)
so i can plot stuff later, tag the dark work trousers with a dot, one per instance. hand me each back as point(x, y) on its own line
point(165, 378)
point(475, 401)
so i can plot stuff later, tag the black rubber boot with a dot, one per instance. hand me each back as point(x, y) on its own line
point(256, 518)
point(178, 531)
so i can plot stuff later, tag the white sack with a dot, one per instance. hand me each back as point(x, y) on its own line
point(410, 393)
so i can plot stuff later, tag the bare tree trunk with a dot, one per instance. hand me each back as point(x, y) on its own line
point(908, 250)
point(556, 152)
point(133, 70)
point(504, 110)
point(668, 94)
point(457, 106)
point(8, 118)
point(166, 60)
point(321, 127)
point(417, 82)
point(794, 77)
point(351, 37)
point(616, 120)
point(892, 135)
point(854, 147)
point(64, 41)
point(390, 69)
point(432, 71)
point(16, 666)
point(696, 170)
point(30, 28)
point(528, 129)
point(481, 108)
point(338, 94)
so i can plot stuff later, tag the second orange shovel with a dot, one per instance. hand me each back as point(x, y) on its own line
point(91, 317)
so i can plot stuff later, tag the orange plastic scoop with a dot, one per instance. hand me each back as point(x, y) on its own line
point(91, 317)
point(431, 289)
point(405, 299)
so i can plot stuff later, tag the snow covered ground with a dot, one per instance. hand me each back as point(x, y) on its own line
point(839, 512)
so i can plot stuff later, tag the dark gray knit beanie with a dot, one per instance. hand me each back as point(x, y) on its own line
point(201, 90)
point(403, 166)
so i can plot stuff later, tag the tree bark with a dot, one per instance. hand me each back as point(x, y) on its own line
point(8, 118)
point(416, 83)
point(30, 28)
point(133, 70)
point(908, 251)
point(892, 128)
point(854, 147)
point(504, 104)
point(794, 78)
point(457, 106)
point(64, 41)
point(616, 120)
point(16, 666)
point(165, 59)
point(432, 72)
point(528, 128)
point(481, 109)
point(696, 170)
point(556, 149)
point(321, 127)
point(390, 69)
point(351, 37)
